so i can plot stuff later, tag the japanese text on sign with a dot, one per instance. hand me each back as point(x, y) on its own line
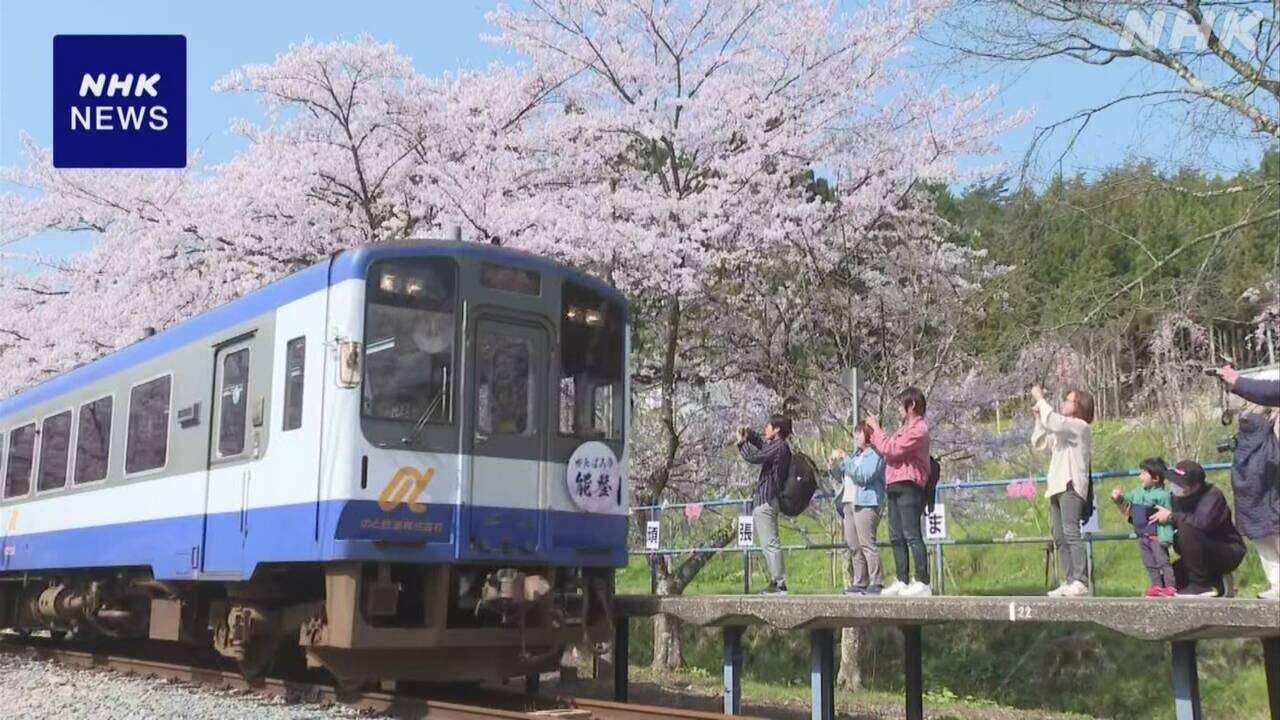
point(935, 523)
point(652, 535)
point(594, 478)
point(746, 531)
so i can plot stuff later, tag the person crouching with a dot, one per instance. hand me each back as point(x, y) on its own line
point(1154, 539)
point(1208, 544)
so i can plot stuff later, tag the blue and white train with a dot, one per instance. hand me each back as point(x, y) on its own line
point(408, 461)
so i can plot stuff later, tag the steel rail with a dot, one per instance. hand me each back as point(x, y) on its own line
point(391, 704)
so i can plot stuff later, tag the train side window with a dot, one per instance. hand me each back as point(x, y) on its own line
point(147, 439)
point(295, 359)
point(234, 403)
point(22, 455)
point(93, 441)
point(55, 448)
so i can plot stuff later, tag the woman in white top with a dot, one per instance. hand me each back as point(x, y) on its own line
point(1066, 436)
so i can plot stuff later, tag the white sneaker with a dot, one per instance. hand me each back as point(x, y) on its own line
point(1272, 594)
point(1076, 589)
point(895, 589)
point(917, 589)
point(1057, 592)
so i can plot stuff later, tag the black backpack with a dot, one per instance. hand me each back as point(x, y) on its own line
point(800, 485)
point(931, 485)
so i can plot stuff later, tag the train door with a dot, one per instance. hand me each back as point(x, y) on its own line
point(229, 476)
point(508, 439)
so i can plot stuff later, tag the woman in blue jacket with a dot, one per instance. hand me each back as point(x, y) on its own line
point(859, 480)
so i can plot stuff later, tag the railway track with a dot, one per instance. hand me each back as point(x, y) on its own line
point(502, 705)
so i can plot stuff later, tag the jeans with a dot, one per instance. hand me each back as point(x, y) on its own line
point(765, 520)
point(1155, 558)
point(1203, 560)
point(905, 505)
point(1064, 520)
point(860, 525)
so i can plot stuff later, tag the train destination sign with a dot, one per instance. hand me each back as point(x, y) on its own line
point(594, 477)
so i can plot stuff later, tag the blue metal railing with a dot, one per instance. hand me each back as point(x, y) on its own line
point(654, 512)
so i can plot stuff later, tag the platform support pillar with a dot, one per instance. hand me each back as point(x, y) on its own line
point(733, 669)
point(822, 673)
point(913, 664)
point(1271, 660)
point(621, 650)
point(1186, 681)
point(532, 683)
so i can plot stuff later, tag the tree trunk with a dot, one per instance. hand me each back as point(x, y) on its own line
point(850, 677)
point(668, 651)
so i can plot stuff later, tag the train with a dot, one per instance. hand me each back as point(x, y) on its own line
point(406, 462)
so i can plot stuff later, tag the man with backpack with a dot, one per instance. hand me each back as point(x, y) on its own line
point(773, 455)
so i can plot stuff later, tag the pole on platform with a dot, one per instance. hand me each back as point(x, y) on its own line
point(937, 580)
point(746, 558)
point(822, 673)
point(1186, 681)
point(532, 683)
point(621, 651)
point(1271, 660)
point(913, 662)
point(1088, 550)
point(733, 669)
point(654, 514)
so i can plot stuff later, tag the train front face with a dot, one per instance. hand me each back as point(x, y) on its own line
point(486, 505)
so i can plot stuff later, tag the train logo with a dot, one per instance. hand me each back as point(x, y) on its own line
point(405, 487)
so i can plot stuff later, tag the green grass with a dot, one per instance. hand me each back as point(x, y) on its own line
point(1058, 668)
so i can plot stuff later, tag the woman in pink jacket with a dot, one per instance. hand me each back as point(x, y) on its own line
point(906, 456)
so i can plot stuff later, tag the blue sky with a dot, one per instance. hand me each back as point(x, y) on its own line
point(441, 35)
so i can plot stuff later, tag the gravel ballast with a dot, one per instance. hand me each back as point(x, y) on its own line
point(35, 689)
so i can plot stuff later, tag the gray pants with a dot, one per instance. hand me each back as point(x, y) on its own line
point(1155, 558)
point(765, 519)
point(1064, 520)
point(860, 536)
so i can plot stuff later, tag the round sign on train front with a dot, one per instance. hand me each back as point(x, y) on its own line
point(594, 477)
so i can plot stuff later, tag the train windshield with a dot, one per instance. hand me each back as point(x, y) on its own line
point(410, 326)
point(591, 357)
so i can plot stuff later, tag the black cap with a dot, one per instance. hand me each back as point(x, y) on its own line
point(1185, 473)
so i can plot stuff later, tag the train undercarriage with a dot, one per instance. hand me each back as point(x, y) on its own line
point(362, 622)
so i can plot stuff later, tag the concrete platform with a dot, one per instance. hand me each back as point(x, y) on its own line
point(1178, 621)
point(1142, 618)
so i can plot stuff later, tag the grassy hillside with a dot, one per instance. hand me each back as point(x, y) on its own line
point(1059, 668)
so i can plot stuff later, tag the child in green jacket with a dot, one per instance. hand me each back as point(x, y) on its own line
point(1154, 539)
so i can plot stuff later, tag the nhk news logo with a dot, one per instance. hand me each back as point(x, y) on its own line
point(119, 101)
